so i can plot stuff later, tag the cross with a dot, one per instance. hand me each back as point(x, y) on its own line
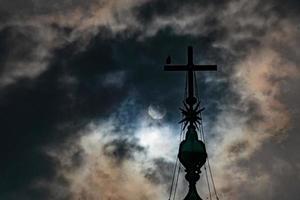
point(190, 67)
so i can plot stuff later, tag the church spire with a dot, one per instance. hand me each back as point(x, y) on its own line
point(192, 152)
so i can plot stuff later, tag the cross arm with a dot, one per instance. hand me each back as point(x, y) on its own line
point(174, 67)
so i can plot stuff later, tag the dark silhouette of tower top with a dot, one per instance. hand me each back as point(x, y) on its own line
point(192, 152)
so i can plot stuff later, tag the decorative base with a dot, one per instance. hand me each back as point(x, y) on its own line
point(192, 177)
point(192, 194)
point(192, 154)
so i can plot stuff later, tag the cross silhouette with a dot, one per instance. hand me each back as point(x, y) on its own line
point(190, 67)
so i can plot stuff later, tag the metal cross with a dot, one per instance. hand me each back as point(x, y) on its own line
point(190, 67)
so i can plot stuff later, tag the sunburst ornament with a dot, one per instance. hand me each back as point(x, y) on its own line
point(191, 115)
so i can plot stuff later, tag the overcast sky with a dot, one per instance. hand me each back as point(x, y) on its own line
point(87, 112)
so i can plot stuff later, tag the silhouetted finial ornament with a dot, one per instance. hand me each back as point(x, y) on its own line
point(191, 115)
point(192, 153)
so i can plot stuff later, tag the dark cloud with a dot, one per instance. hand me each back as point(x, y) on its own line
point(161, 173)
point(20, 9)
point(47, 110)
point(122, 149)
point(25, 55)
point(148, 11)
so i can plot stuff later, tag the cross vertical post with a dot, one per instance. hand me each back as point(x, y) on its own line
point(190, 67)
point(190, 99)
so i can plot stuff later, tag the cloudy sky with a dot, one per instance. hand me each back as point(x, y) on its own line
point(87, 112)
